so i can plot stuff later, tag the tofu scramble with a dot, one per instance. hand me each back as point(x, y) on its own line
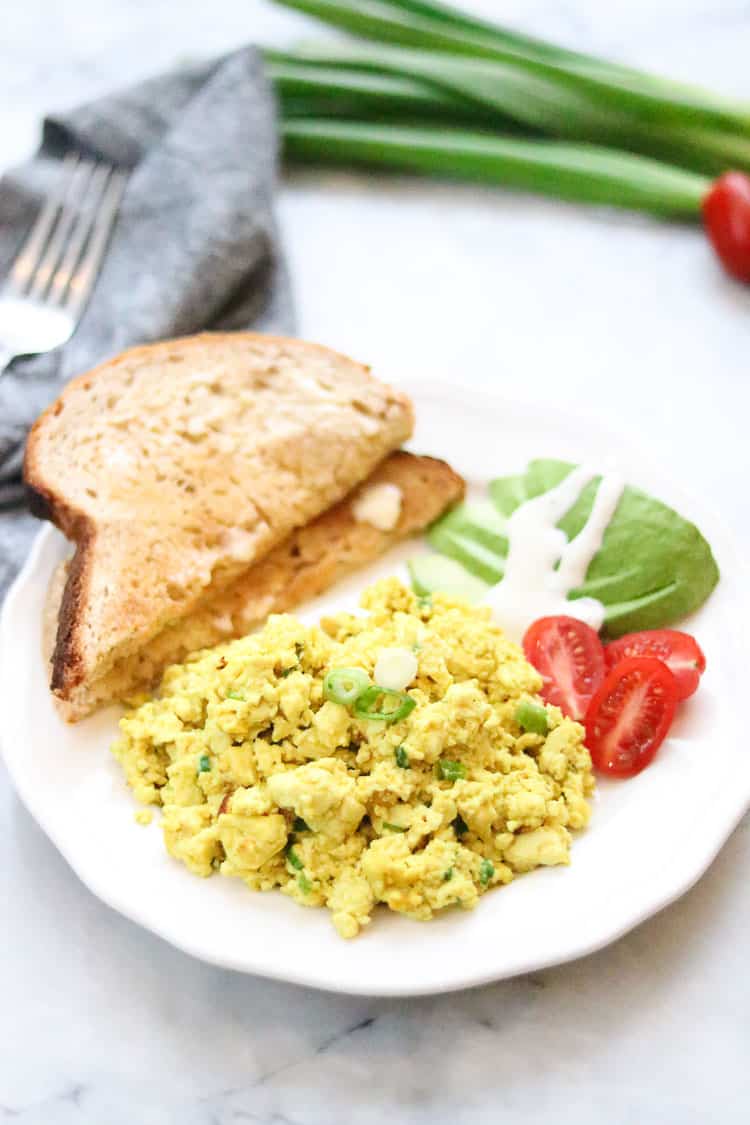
point(263, 777)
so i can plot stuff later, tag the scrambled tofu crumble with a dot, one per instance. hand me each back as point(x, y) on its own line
point(262, 777)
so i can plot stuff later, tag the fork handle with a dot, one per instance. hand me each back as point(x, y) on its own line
point(6, 355)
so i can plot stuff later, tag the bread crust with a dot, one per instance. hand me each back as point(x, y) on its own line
point(49, 501)
point(66, 664)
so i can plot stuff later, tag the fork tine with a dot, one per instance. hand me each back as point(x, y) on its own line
point(83, 279)
point(77, 186)
point(87, 214)
point(28, 257)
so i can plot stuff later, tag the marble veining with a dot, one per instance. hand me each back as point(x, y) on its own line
point(103, 1024)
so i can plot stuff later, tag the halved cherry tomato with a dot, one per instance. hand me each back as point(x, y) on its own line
point(630, 715)
point(679, 651)
point(726, 217)
point(570, 658)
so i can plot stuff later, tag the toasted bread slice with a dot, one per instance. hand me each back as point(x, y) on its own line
point(176, 466)
point(309, 561)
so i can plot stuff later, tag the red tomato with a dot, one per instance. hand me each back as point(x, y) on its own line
point(679, 651)
point(570, 658)
point(630, 715)
point(726, 217)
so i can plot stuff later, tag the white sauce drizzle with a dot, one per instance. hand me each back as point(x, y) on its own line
point(534, 585)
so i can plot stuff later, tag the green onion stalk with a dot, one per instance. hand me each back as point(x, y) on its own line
point(434, 28)
point(386, 83)
point(440, 26)
point(310, 90)
point(583, 173)
point(437, 92)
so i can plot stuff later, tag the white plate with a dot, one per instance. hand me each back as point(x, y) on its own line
point(649, 840)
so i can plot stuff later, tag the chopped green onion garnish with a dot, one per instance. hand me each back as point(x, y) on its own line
point(345, 685)
point(451, 771)
point(424, 601)
point(486, 871)
point(299, 825)
point(304, 883)
point(294, 859)
point(532, 717)
point(394, 827)
point(448, 875)
point(204, 763)
point(402, 758)
point(236, 695)
point(365, 707)
point(460, 827)
point(287, 671)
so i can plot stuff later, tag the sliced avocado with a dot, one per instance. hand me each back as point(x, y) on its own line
point(478, 520)
point(433, 574)
point(478, 560)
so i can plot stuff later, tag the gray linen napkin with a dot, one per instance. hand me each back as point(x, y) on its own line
point(195, 245)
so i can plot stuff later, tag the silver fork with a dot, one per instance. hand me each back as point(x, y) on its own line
point(42, 298)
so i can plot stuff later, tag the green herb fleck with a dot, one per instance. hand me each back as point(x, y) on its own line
point(532, 717)
point(304, 883)
point(416, 647)
point(287, 671)
point(299, 825)
point(236, 695)
point(460, 827)
point(402, 758)
point(424, 601)
point(204, 763)
point(486, 871)
point(394, 827)
point(450, 771)
point(294, 859)
point(448, 875)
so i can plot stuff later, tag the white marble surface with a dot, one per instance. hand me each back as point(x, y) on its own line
point(102, 1024)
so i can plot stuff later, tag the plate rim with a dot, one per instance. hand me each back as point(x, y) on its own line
point(735, 805)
